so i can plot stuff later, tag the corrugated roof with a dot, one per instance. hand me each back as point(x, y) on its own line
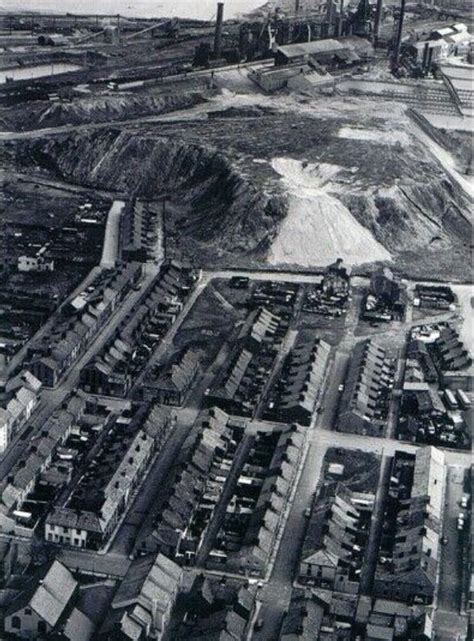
point(310, 48)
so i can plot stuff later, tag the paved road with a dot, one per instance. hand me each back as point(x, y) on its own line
point(450, 585)
point(57, 184)
point(113, 565)
point(375, 535)
point(276, 594)
point(52, 398)
point(110, 249)
point(137, 518)
point(289, 277)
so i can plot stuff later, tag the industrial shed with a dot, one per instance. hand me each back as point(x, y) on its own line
point(333, 52)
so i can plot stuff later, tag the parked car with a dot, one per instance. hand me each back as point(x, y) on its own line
point(258, 624)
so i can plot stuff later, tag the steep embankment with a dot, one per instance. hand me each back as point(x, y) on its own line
point(246, 189)
point(94, 109)
point(213, 209)
point(319, 228)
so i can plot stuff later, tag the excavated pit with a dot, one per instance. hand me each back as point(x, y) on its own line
point(247, 191)
point(212, 209)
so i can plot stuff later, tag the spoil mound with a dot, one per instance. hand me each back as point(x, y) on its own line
point(212, 207)
point(230, 184)
point(95, 109)
point(319, 228)
point(250, 111)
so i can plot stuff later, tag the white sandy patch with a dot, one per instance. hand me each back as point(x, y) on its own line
point(465, 294)
point(319, 228)
point(387, 137)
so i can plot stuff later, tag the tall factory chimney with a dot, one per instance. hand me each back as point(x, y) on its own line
point(218, 32)
point(398, 40)
point(377, 21)
point(340, 25)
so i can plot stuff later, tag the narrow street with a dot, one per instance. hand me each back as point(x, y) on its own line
point(375, 536)
point(168, 339)
point(52, 398)
point(276, 594)
point(138, 520)
point(239, 459)
point(110, 565)
point(110, 249)
point(283, 352)
point(451, 567)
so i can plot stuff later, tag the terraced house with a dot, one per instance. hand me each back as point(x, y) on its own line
point(336, 541)
point(362, 408)
point(190, 504)
point(299, 388)
point(92, 509)
point(20, 399)
point(142, 605)
point(72, 329)
point(114, 370)
point(412, 539)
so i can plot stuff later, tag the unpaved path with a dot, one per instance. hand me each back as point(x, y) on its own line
point(110, 250)
point(445, 159)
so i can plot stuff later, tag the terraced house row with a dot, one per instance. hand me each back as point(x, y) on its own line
point(76, 324)
point(298, 390)
point(91, 509)
point(238, 386)
point(26, 472)
point(20, 398)
point(229, 494)
point(115, 369)
point(363, 407)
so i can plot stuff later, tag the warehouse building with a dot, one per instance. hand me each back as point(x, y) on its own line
point(332, 53)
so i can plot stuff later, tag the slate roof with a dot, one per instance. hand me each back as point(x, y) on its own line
point(50, 598)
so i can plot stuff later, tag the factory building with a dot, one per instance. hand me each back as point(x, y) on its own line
point(332, 53)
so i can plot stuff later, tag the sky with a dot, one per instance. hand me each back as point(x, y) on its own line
point(203, 9)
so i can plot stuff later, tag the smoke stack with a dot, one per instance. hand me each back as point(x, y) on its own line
point(378, 19)
point(341, 18)
point(329, 13)
point(218, 32)
point(429, 61)
point(398, 41)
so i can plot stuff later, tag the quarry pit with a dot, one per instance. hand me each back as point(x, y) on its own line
point(243, 179)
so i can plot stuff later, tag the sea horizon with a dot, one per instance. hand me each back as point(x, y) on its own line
point(202, 9)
